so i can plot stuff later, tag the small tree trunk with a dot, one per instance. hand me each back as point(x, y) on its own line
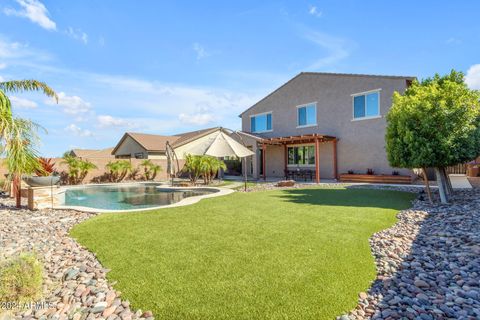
point(441, 186)
point(427, 185)
point(17, 191)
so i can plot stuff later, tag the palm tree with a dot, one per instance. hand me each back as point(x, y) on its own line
point(118, 169)
point(150, 169)
point(84, 168)
point(193, 165)
point(19, 136)
point(77, 168)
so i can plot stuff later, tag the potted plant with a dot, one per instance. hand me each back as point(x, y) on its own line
point(44, 174)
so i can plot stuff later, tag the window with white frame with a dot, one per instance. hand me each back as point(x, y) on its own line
point(366, 105)
point(307, 115)
point(301, 155)
point(261, 122)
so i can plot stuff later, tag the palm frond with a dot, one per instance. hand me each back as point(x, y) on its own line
point(5, 105)
point(28, 85)
point(21, 139)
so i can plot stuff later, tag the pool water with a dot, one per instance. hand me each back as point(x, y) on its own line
point(128, 197)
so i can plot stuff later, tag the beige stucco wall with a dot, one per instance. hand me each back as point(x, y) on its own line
point(157, 155)
point(361, 143)
point(130, 147)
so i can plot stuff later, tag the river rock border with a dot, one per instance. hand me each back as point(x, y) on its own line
point(428, 263)
point(75, 284)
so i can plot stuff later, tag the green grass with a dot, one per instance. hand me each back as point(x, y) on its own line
point(284, 254)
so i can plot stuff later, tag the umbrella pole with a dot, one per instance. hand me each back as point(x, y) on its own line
point(245, 173)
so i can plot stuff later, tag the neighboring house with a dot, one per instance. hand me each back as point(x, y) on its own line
point(92, 153)
point(153, 146)
point(326, 123)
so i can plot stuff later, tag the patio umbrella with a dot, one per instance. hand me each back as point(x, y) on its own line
point(221, 145)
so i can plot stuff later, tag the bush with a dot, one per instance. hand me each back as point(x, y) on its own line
point(21, 279)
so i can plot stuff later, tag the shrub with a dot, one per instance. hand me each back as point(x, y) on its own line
point(47, 167)
point(21, 279)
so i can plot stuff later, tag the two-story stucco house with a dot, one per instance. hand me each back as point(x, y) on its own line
point(322, 123)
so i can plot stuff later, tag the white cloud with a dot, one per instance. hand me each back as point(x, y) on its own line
point(35, 11)
point(200, 51)
point(453, 40)
point(198, 119)
point(472, 78)
point(336, 49)
point(72, 105)
point(3, 66)
point(105, 121)
point(22, 103)
point(77, 131)
point(17, 53)
point(77, 34)
point(315, 12)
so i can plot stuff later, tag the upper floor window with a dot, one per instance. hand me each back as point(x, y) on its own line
point(261, 122)
point(307, 115)
point(366, 105)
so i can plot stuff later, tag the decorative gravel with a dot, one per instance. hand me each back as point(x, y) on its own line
point(75, 285)
point(428, 264)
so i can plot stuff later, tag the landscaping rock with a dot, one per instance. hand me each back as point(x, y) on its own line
point(75, 285)
point(428, 263)
point(286, 183)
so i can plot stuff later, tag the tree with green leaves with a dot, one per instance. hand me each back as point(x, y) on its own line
point(19, 137)
point(434, 124)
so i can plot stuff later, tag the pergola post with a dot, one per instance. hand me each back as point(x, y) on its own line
point(335, 168)
point(285, 159)
point(317, 160)
point(264, 156)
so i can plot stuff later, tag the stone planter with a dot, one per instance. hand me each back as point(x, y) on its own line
point(34, 181)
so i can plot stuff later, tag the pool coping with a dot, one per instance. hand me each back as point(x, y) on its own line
point(184, 202)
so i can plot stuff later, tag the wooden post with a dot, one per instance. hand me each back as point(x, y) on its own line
point(317, 161)
point(264, 156)
point(285, 159)
point(335, 167)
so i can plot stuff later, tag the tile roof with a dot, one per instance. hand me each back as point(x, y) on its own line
point(156, 142)
point(152, 142)
point(93, 153)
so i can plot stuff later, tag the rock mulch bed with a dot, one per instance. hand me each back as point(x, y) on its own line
point(428, 264)
point(75, 285)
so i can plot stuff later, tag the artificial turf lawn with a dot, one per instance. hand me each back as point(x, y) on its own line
point(291, 254)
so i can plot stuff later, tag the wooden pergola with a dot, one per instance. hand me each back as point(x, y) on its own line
point(302, 139)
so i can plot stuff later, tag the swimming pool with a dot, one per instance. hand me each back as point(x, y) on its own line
point(129, 197)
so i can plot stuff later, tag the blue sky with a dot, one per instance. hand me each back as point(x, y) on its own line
point(169, 67)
